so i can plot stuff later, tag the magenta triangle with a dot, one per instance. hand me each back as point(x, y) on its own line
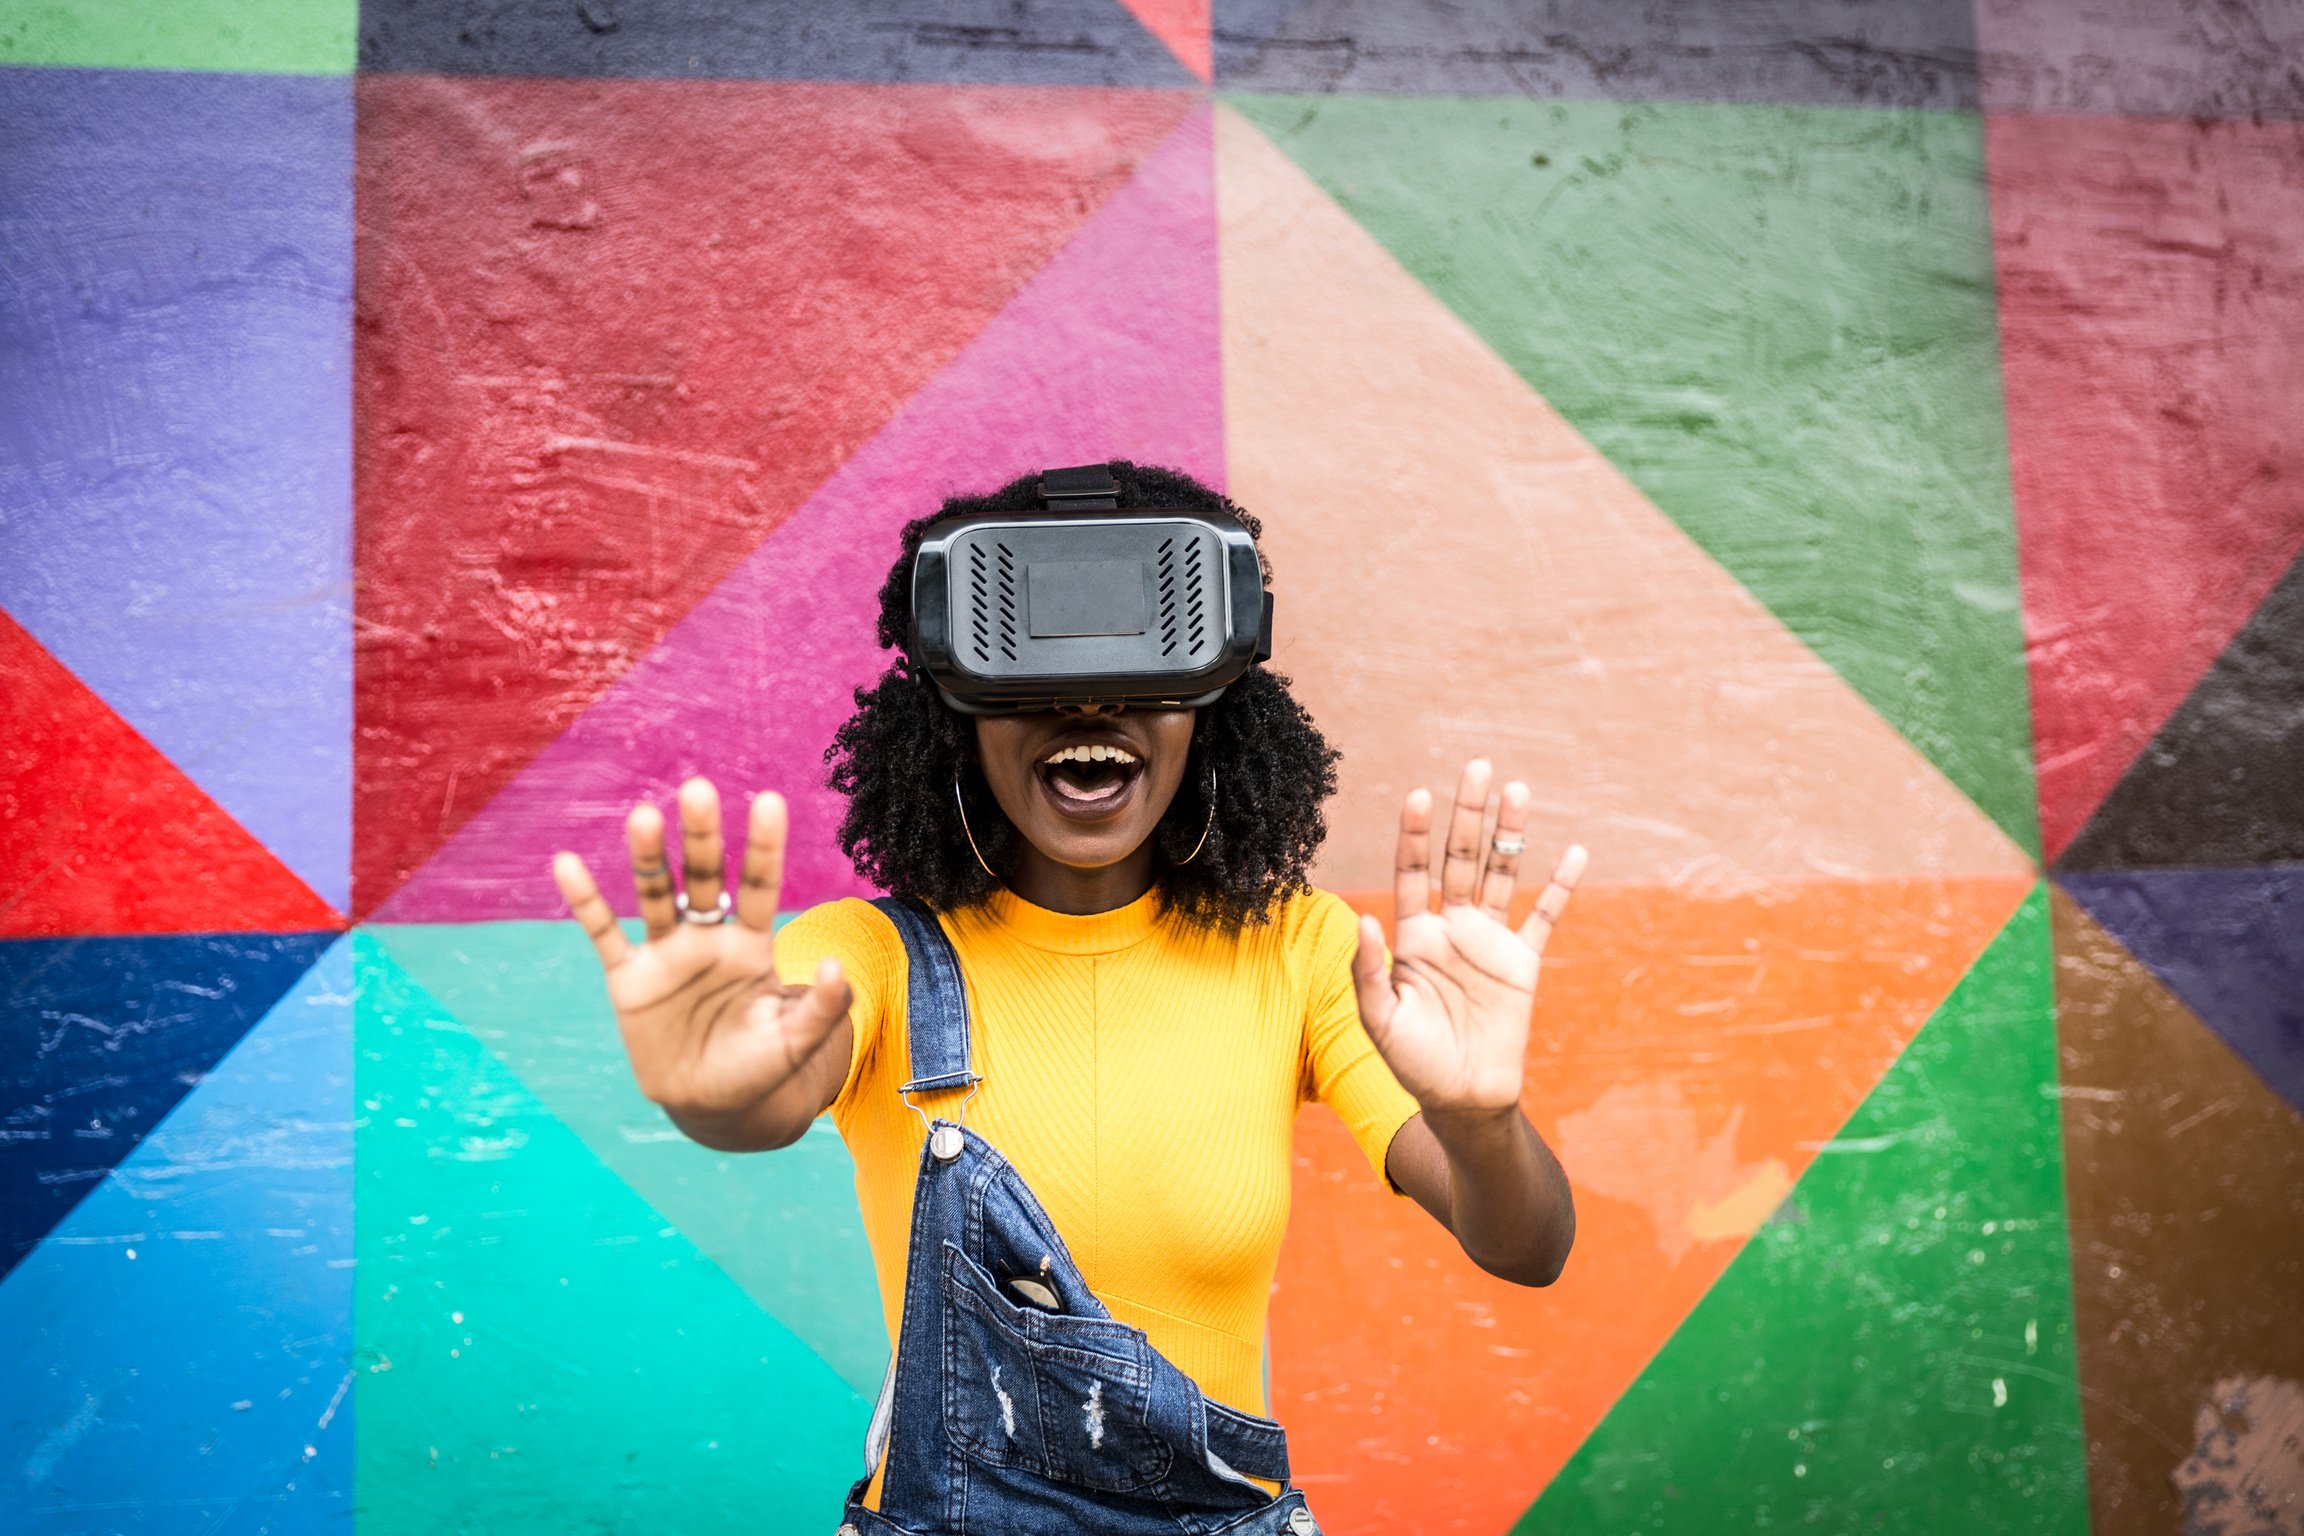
point(1110, 352)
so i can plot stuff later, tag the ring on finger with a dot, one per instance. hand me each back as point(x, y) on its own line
point(1508, 847)
point(712, 919)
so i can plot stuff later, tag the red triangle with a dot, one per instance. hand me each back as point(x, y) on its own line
point(104, 835)
point(611, 332)
point(1183, 26)
point(2151, 278)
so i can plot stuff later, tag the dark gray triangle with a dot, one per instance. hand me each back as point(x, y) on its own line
point(956, 42)
point(1913, 53)
point(2223, 782)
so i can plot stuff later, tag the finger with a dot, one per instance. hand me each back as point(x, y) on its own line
point(1553, 900)
point(1460, 868)
point(1504, 862)
point(763, 878)
point(1411, 865)
point(1372, 980)
point(651, 875)
point(591, 909)
point(703, 856)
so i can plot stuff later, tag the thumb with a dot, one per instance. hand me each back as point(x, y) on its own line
point(782, 1031)
point(819, 1009)
point(1372, 981)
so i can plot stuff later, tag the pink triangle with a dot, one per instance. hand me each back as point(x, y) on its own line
point(1110, 352)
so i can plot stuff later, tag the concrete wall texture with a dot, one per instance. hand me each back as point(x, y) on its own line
point(1854, 445)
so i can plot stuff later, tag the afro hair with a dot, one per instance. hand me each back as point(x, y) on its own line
point(1258, 773)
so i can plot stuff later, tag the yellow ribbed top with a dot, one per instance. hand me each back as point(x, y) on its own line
point(1143, 1075)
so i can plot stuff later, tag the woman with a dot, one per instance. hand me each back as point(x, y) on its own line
point(1067, 1057)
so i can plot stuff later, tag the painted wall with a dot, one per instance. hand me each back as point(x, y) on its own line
point(1849, 448)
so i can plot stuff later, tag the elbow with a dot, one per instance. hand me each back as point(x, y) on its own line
point(1538, 1264)
point(1544, 1274)
point(1535, 1272)
point(723, 1134)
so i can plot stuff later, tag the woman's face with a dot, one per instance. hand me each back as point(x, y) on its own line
point(1086, 790)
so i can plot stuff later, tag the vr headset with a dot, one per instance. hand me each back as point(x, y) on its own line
point(1088, 602)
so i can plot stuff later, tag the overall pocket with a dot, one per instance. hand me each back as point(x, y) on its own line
point(1064, 1397)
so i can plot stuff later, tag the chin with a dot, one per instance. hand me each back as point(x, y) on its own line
point(1074, 849)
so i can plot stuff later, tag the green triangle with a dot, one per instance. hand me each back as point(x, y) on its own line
point(311, 37)
point(1893, 1350)
point(1778, 322)
point(784, 1225)
point(536, 1349)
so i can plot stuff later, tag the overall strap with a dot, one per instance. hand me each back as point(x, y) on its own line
point(936, 1003)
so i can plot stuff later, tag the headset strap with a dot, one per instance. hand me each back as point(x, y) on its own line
point(1085, 487)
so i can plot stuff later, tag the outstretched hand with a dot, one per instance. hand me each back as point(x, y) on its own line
point(737, 1057)
point(1450, 1015)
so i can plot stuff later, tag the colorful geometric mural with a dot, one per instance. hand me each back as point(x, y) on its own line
point(1853, 444)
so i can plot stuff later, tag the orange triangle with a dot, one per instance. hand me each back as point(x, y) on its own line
point(1184, 26)
point(1461, 572)
point(1690, 1058)
point(105, 835)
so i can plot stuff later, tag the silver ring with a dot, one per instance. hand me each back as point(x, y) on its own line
point(1509, 847)
point(704, 919)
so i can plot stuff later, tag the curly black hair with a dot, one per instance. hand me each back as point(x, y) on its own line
point(1256, 757)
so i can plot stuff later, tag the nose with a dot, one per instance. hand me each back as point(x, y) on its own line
point(1089, 711)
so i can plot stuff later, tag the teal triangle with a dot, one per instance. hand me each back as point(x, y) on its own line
point(1893, 1351)
point(783, 1225)
point(537, 1348)
point(1779, 323)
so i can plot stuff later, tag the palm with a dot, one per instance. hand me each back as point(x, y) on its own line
point(1451, 1014)
point(705, 1018)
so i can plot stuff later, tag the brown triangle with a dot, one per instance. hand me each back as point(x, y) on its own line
point(2184, 1176)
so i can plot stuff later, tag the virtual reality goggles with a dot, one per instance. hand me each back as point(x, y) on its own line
point(1088, 602)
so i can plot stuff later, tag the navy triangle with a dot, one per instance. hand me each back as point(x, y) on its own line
point(99, 1040)
point(2229, 942)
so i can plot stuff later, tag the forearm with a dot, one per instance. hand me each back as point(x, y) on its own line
point(1488, 1177)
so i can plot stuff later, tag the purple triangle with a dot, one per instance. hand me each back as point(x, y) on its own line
point(1110, 352)
point(176, 448)
point(2229, 942)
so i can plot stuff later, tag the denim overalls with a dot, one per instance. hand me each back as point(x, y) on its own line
point(1019, 1404)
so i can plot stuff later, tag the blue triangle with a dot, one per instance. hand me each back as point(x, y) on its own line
point(179, 1349)
point(2229, 942)
point(175, 459)
point(100, 1037)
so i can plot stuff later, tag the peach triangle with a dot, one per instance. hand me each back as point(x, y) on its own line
point(1459, 571)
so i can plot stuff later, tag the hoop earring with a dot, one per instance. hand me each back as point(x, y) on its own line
point(1204, 826)
point(961, 801)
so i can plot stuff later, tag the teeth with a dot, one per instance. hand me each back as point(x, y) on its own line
point(1090, 755)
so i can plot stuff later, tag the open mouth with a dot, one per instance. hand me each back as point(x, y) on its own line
point(1091, 780)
